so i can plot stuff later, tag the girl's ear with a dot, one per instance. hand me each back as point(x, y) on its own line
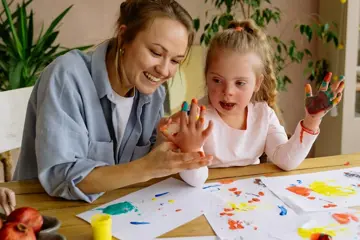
point(259, 81)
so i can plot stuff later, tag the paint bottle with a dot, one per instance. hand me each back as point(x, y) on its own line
point(101, 226)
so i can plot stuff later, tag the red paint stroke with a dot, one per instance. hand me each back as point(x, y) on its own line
point(232, 189)
point(256, 200)
point(320, 236)
point(311, 198)
point(261, 194)
point(303, 191)
point(178, 210)
point(330, 205)
point(226, 214)
point(347, 163)
point(255, 228)
point(237, 192)
point(344, 218)
point(228, 209)
point(226, 181)
point(250, 201)
point(233, 224)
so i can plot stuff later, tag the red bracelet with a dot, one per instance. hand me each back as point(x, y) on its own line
point(304, 129)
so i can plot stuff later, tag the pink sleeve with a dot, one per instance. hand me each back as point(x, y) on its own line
point(287, 154)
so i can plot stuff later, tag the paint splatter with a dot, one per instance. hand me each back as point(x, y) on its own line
point(153, 199)
point(258, 181)
point(303, 191)
point(139, 223)
point(226, 181)
point(242, 207)
point(171, 201)
point(232, 189)
point(256, 199)
point(283, 210)
point(178, 210)
point(320, 236)
point(308, 233)
point(212, 186)
point(352, 175)
point(330, 205)
point(119, 208)
point(234, 224)
point(237, 193)
point(161, 194)
point(344, 218)
point(311, 198)
point(328, 190)
point(299, 181)
point(261, 194)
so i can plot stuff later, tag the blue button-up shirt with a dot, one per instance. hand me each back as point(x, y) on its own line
point(68, 127)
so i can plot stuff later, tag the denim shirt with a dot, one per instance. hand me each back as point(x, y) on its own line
point(68, 128)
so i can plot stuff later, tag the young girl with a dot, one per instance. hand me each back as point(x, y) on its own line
point(7, 200)
point(241, 108)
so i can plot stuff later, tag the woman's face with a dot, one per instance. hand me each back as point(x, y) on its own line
point(154, 55)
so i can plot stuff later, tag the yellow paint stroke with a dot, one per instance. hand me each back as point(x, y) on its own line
point(307, 232)
point(171, 201)
point(154, 199)
point(327, 190)
point(242, 207)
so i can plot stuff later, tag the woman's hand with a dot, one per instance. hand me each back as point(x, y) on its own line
point(165, 160)
point(318, 105)
point(7, 200)
point(191, 135)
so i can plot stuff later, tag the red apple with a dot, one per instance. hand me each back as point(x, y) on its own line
point(28, 216)
point(17, 231)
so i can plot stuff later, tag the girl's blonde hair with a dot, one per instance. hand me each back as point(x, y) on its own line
point(245, 37)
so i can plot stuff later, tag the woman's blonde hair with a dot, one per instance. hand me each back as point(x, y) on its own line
point(244, 37)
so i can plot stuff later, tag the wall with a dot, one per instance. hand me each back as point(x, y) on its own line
point(92, 21)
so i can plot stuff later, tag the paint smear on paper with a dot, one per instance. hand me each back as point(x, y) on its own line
point(212, 186)
point(234, 224)
point(330, 205)
point(344, 218)
point(327, 190)
point(161, 194)
point(303, 191)
point(119, 208)
point(139, 223)
point(171, 201)
point(352, 174)
point(232, 189)
point(226, 181)
point(308, 232)
point(283, 210)
point(242, 207)
point(178, 210)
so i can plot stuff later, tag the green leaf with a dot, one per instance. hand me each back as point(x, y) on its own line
point(326, 27)
point(12, 27)
point(309, 33)
point(279, 48)
point(30, 33)
point(307, 52)
point(302, 29)
point(207, 26)
point(15, 75)
point(196, 23)
point(202, 38)
point(23, 29)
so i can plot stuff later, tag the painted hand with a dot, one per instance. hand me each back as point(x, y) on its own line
point(328, 97)
point(191, 134)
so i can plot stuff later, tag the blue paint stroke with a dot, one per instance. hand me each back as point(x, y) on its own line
point(299, 181)
point(212, 186)
point(283, 210)
point(161, 194)
point(292, 185)
point(139, 223)
point(215, 190)
point(161, 204)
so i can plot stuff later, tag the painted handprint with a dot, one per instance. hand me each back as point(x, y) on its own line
point(327, 97)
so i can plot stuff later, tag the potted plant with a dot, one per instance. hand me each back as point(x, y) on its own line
point(263, 12)
point(22, 57)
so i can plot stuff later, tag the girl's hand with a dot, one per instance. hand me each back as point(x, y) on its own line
point(318, 105)
point(191, 135)
point(164, 160)
point(7, 200)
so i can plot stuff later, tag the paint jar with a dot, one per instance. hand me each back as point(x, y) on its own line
point(101, 227)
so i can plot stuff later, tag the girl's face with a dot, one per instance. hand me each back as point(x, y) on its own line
point(231, 80)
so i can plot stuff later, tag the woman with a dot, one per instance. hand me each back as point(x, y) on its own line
point(91, 115)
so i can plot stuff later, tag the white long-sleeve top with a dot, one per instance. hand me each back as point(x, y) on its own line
point(264, 133)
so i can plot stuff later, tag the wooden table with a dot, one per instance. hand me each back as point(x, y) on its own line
point(30, 193)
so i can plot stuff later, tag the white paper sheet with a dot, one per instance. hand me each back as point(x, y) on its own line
point(153, 211)
point(320, 191)
point(246, 209)
point(340, 224)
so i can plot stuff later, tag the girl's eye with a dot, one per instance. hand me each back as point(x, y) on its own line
point(175, 62)
point(155, 53)
point(240, 83)
point(216, 80)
